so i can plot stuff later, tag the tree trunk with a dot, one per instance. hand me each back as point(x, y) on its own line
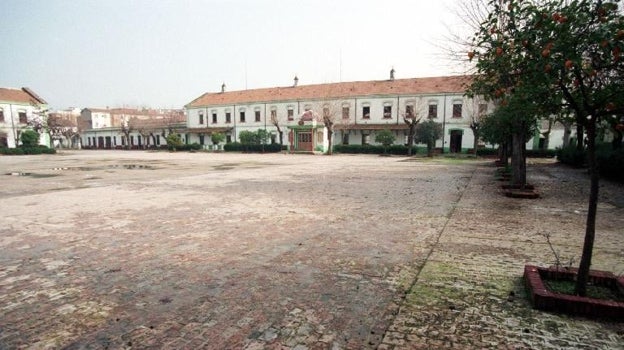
point(330, 134)
point(410, 139)
point(518, 159)
point(579, 136)
point(590, 228)
point(567, 131)
point(617, 139)
point(476, 141)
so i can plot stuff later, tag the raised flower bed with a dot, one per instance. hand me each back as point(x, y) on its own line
point(543, 298)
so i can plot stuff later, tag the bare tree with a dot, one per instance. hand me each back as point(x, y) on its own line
point(276, 122)
point(476, 111)
point(412, 116)
point(63, 127)
point(333, 115)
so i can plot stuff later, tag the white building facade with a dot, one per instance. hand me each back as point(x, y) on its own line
point(21, 109)
point(359, 110)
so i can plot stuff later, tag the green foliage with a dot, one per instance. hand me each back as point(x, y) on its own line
point(174, 141)
point(259, 137)
point(217, 138)
point(385, 137)
point(571, 156)
point(21, 150)
point(373, 149)
point(610, 161)
point(428, 132)
point(257, 148)
point(29, 138)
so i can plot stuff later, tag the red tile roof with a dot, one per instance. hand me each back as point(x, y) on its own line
point(414, 86)
point(23, 95)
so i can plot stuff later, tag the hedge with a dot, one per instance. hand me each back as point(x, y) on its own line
point(610, 161)
point(376, 149)
point(533, 153)
point(239, 147)
point(21, 150)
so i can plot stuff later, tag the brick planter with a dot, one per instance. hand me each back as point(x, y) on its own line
point(544, 299)
point(517, 187)
point(524, 194)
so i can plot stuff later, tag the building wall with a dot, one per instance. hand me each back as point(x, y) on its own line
point(396, 105)
point(11, 126)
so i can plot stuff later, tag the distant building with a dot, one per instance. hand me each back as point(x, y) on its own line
point(358, 109)
point(63, 128)
point(21, 109)
point(104, 128)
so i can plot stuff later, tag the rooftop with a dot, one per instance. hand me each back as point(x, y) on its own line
point(413, 86)
point(23, 95)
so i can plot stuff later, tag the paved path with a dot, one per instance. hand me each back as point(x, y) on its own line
point(184, 251)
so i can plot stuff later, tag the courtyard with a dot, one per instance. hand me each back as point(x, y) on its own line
point(158, 250)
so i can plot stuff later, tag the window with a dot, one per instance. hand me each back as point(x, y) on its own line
point(214, 117)
point(1, 115)
point(228, 138)
point(457, 110)
point(257, 116)
point(345, 112)
point(387, 112)
point(291, 113)
point(123, 141)
point(433, 111)
point(139, 138)
point(201, 117)
point(409, 110)
point(228, 117)
point(482, 109)
point(345, 138)
point(326, 112)
point(22, 117)
point(158, 140)
point(131, 140)
point(201, 139)
point(365, 139)
point(114, 140)
point(366, 112)
point(242, 116)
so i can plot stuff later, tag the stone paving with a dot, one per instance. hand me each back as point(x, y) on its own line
point(156, 250)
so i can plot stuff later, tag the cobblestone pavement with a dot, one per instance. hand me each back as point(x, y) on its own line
point(151, 250)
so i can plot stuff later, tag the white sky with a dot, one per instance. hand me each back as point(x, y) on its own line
point(161, 53)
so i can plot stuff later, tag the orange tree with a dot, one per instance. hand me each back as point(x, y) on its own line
point(557, 55)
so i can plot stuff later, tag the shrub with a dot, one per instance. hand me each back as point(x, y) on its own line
point(571, 156)
point(611, 164)
point(373, 149)
point(487, 151)
point(173, 141)
point(21, 150)
point(541, 153)
point(254, 148)
point(30, 138)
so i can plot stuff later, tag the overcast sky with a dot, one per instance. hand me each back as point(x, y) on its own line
point(162, 53)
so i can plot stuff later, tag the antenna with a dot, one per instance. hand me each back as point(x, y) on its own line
point(340, 60)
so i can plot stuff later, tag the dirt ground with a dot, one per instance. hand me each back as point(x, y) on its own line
point(151, 250)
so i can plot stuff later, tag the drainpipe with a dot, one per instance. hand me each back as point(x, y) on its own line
point(444, 124)
point(233, 120)
point(13, 125)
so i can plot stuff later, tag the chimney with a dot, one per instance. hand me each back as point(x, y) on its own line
point(296, 81)
point(223, 87)
point(392, 74)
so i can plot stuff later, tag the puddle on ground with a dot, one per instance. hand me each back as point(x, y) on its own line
point(113, 166)
point(31, 175)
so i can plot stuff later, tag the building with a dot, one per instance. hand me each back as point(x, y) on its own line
point(63, 128)
point(120, 128)
point(359, 109)
point(21, 109)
